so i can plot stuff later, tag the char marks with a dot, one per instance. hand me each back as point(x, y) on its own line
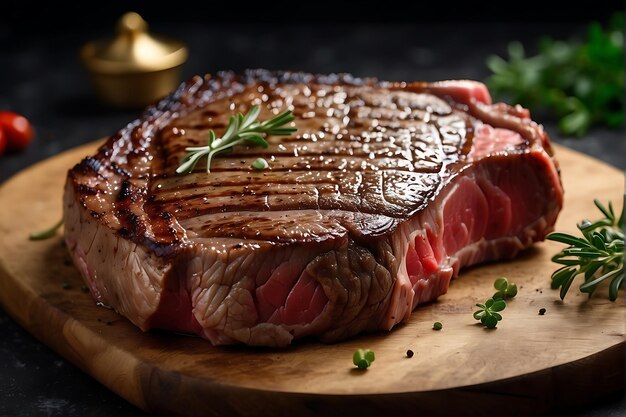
point(359, 148)
point(363, 149)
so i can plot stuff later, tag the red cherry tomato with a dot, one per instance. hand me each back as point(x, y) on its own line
point(17, 129)
point(3, 142)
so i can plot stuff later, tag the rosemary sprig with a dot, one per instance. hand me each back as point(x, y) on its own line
point(598, 255)
point(241, 128)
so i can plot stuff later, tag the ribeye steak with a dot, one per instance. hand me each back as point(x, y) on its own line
point(383, 194)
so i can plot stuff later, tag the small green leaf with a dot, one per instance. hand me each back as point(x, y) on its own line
point(501, 284)
point(559, 259)
point(497, 316)
point(615, 285)
point(256, 139)
point(511, 291)
point(489, 321)
point(437, 326)
point(499, 295)
point(362, 363)
point(489, 303)
point(567, 239)
point(498, 305)
point(567, 283)
point(562, 275)
point(253, 113)
point(233, 126)
point(479, 314)
point(282, 131)
point(608, 213)
point(505, 289)
point(591, 284)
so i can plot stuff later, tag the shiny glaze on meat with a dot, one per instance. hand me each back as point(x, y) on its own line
point(366, 157)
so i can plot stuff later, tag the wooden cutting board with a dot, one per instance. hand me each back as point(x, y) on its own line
point(529, 365)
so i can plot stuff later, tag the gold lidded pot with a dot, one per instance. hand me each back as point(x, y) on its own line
point(135, 68)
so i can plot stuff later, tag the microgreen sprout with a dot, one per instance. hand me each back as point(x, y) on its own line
point(504, 289)
point(488, 313)
point(363, 358)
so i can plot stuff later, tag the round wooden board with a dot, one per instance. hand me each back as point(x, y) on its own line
point(530, 364)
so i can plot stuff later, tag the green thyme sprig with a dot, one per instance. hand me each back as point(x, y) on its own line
point(598, 255)
point(488, 313)
point(241, 128)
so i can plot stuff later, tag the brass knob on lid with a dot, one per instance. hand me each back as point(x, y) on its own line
point(132, 23)
point(135, 68)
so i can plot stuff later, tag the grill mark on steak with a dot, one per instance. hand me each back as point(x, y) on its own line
point(386, 146)
point(320, 99)
point(344, 232)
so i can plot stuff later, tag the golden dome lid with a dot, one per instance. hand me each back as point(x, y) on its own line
point(133, 50)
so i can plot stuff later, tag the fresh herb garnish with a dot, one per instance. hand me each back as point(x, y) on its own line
point(241, 128)
point(580, 83)
point(47, 233)
point(488, 313)
point(598, 255)
point(363, 358)
point(504, 289)
point(437, 325)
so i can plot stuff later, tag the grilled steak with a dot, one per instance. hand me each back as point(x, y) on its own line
point(384, 193)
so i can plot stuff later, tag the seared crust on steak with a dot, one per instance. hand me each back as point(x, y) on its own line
point(317, 244)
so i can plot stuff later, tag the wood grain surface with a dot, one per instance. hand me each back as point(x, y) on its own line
point(530, 364)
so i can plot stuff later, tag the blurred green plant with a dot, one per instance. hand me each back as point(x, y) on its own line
point(581, 83)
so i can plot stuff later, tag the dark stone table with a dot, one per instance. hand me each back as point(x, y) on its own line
point(41, 77)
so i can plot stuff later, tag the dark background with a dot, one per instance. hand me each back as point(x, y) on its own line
point(32, 16)
point(41, 77)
